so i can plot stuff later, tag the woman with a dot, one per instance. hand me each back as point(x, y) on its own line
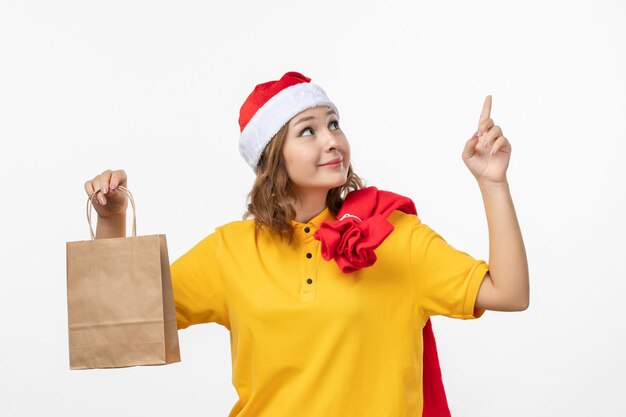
point(310, 337)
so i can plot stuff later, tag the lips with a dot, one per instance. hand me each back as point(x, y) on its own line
point(334, 161)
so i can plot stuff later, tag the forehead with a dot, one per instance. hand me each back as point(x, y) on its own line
point(312, 113)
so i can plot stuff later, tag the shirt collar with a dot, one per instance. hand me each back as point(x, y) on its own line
point(314, 223)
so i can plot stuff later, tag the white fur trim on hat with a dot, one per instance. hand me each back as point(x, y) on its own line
point(275, 113)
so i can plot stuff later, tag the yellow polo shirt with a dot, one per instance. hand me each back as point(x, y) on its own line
point(310, 341)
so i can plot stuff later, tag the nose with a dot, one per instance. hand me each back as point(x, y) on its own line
point(331, 142)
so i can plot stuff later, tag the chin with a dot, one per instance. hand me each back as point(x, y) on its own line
point(338, 183)
point(326, 182)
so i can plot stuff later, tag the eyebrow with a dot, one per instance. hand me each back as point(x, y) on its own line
point(304, 119)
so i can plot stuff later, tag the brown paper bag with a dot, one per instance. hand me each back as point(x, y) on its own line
point(120, 301)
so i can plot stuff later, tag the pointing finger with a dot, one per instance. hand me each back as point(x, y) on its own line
point(486, 113)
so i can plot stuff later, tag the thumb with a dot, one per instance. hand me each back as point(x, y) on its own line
point(470, 146)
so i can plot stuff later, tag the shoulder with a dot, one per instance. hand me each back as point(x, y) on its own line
point(408, 229)
point(404, 221)
point(236, 226)
point(236, 230)
point(404, 225)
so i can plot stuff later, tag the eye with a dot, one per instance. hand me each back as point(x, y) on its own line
point(305, 129)
point(336, 123)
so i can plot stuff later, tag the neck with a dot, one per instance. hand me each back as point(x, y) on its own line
point(309, 205)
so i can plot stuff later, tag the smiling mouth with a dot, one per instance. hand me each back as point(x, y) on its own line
point(333, 162)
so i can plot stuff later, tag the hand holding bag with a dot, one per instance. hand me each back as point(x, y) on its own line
point(120, 301)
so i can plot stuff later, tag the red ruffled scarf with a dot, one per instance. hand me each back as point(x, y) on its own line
point(361, 226)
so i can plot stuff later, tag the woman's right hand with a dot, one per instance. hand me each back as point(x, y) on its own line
point(108, 201)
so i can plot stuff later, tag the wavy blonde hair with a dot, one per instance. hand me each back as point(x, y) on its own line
point(272, 195)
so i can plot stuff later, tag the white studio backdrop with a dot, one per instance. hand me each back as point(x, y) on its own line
point(155, 87)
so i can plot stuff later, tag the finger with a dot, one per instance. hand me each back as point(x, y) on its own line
point(101, 184)
point(493, 134)
point(483, 127)
point(89, 189)
point(499, 142)
point(105, 180)
point(486, 113)
point(118, 177)
point(470, 146)
point(98, 187)
point(93, 190)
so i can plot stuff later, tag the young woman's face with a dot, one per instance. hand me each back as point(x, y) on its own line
point(314, 139)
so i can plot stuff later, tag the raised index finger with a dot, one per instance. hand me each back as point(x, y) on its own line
point(486, 113)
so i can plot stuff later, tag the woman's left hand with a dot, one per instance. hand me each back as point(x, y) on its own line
point(487, 156)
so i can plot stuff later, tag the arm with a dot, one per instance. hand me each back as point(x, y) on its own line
point(506, 285)
point(111, 227)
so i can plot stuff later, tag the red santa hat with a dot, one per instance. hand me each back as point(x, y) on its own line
point(270, 106)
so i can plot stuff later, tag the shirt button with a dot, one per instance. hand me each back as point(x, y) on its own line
point(307, 229)
point(309, 281)
point(308, 255)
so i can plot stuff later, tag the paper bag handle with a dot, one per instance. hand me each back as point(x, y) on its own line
point(132, 202)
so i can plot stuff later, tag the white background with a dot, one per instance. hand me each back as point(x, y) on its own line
point(154, 88)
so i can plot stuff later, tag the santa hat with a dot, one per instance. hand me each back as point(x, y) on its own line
point(270, 106)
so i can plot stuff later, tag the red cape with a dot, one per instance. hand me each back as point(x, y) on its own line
point(361, 226)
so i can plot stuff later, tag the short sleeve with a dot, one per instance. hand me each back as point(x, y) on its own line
point(197, 285)
point(446, 279)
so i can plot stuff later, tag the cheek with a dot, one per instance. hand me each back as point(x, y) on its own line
point(299, 157)
point(297, 161)
point(289, 155)
point(347, 149)
point(345, 143)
